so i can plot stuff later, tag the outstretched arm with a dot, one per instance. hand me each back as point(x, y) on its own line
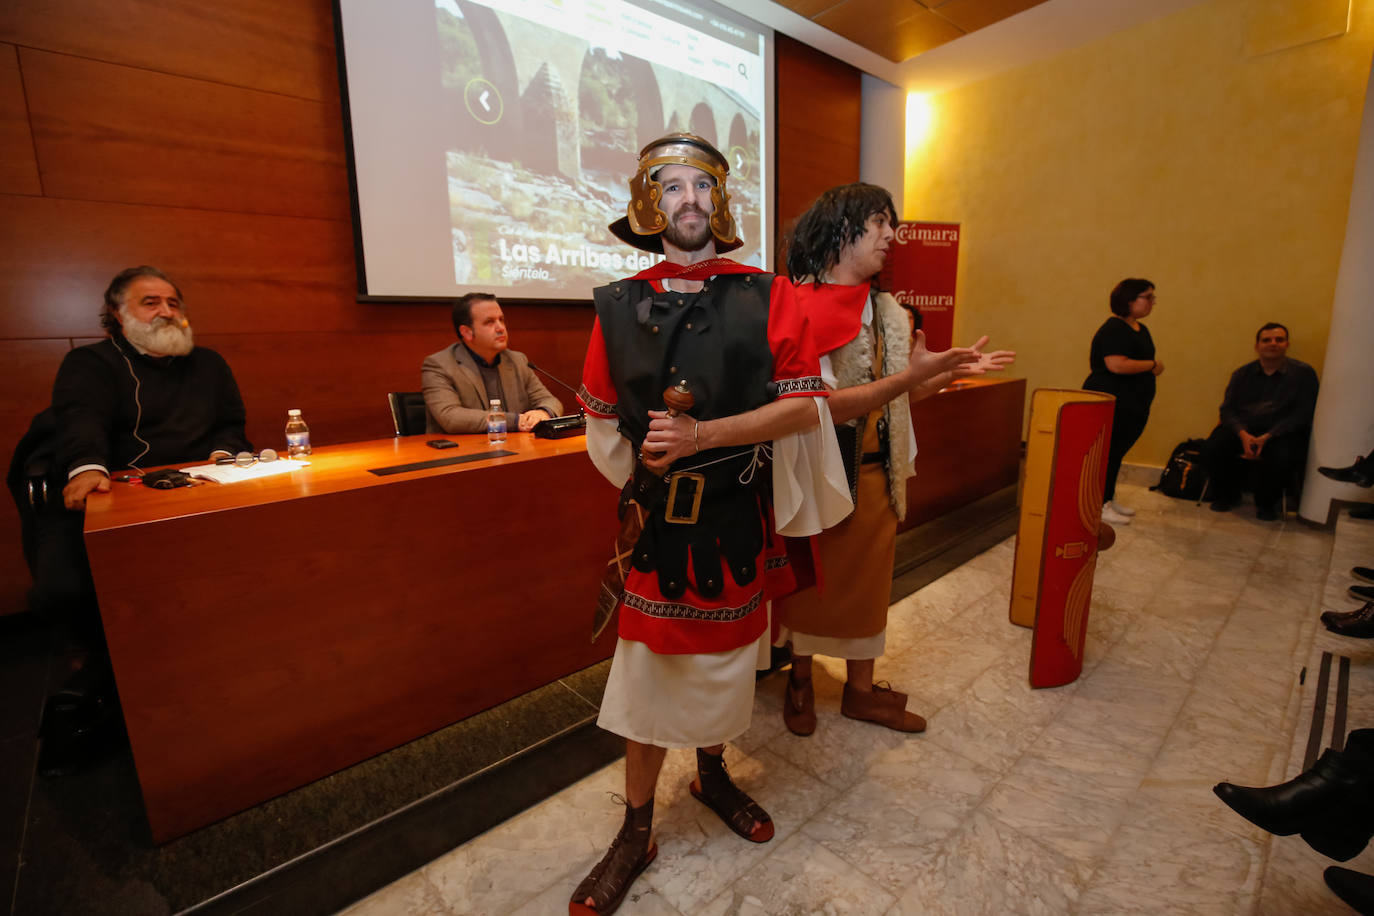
point(993, 361)
point(848, 403)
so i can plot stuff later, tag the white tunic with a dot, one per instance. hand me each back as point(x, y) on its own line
point(707, 699)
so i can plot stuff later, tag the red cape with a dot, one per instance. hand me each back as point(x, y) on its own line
point(834, 312)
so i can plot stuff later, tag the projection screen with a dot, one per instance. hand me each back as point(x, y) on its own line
point(491, 142)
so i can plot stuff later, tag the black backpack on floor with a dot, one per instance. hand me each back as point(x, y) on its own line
point(1184, 477)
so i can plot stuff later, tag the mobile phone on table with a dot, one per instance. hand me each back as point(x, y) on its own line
point(441, 443)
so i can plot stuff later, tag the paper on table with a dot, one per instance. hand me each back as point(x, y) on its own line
point(230, 473)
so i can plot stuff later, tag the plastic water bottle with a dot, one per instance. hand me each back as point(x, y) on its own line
point(297, 435)
point(496, 423)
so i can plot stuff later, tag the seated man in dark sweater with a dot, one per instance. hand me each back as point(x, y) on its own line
point(1266, 416)
point(144, 396)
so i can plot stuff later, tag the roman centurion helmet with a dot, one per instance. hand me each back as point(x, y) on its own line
point(644, 222)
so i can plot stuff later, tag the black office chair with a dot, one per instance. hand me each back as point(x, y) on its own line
point(30, 481)
point(407, 412)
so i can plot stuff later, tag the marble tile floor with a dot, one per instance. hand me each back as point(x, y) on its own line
point(1090, 798)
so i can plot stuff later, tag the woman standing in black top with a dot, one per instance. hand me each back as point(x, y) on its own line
point(1122, 360)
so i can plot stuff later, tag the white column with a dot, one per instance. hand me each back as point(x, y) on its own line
point(882, 138)
point(1344, 424)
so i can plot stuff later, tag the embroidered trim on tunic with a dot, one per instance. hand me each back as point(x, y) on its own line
point(678, 611)
point(594, 403)
point(808, 384)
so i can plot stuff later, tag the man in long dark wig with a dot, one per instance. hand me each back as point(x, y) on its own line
point(873, 367)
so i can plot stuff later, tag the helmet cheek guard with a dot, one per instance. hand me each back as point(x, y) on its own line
point(644, 213)
point(644, 220)
point(722, 223)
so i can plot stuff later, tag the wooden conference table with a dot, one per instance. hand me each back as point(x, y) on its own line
point(267, 633)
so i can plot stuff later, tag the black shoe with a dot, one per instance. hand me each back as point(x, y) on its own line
point(1365, 512)
point(1329, 805)
point(1362, 572)
point(1293, 806)
point(1330, 617)
point(1354, 888)
point(78, 730)
point(1360, 624)
point(1360, 473)
point(1359, 749)
point(1269, 512)
point(1362, 592)
point(1223, 504)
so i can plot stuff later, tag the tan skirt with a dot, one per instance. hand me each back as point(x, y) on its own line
point(856, 569)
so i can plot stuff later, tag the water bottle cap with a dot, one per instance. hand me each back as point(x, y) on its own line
point(293, 412)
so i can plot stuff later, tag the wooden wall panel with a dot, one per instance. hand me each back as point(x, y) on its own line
point(110, 132)
point(18, 166)
point(237, 271)
point(284, 46)
point(340, 380)
point(819, 112)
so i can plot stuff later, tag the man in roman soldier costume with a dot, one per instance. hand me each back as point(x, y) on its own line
point(704, 401)
point(873, 368)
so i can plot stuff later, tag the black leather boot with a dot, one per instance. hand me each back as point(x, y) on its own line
point(1344, 617)
point(1329, 805)
point(1354, 888)
point(1359, 749)
point(1361, 473)
point(1362, 592)
point(1360, 626)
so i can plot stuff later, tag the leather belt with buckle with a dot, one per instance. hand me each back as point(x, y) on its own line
point(694, 485)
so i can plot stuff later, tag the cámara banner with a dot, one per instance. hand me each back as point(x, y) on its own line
point(921, 271)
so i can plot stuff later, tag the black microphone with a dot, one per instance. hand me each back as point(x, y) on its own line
point(572, 424)
point(555, 378)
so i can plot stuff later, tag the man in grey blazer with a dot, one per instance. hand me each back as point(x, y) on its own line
point(460, 380)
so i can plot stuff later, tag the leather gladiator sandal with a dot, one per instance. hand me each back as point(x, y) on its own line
point(713, 788)
point(631, 852)
point(882, 705)
point(799, 706)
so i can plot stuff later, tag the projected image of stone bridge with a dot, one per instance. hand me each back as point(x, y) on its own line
point(526, 104)
point(545, 130)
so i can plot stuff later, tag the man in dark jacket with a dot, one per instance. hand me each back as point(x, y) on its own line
point(1266, 417)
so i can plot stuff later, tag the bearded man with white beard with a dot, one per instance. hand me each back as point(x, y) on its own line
point(144, 396)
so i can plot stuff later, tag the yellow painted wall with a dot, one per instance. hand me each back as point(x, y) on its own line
point(1171, 151)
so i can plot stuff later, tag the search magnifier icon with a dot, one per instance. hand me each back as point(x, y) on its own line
point(743, 72)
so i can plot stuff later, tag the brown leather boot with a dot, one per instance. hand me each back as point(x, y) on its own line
point(882, 705)
point(799, 706)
